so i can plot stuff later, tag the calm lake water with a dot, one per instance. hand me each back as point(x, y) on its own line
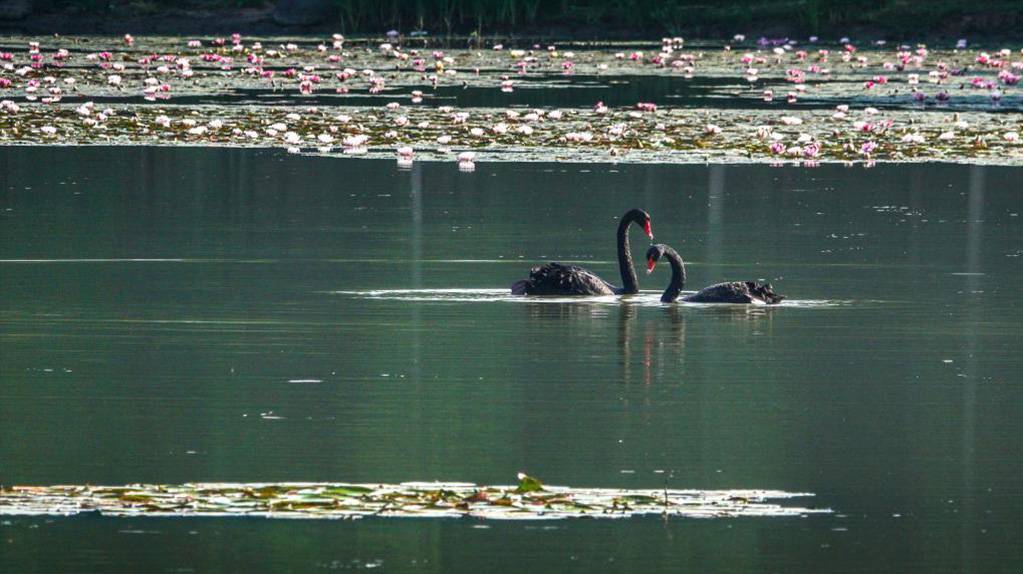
point(157, 307)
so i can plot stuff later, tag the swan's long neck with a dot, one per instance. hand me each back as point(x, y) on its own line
point(678, 275)
point(630, 284)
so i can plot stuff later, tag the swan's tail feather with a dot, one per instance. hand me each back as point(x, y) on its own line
point(765, 292)
point(519, 287)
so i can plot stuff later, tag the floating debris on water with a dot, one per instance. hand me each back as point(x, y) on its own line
point(529, 500)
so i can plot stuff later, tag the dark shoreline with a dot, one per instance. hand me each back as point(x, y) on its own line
point(987, 30)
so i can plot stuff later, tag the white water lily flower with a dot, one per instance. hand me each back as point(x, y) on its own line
point(355, 140)
point(579, 136)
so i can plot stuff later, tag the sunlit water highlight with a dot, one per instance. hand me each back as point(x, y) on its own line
point(645, 298)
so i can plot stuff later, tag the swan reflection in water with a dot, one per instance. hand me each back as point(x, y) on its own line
point(651, 341)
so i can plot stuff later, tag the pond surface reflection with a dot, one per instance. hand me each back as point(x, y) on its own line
point(159, 306)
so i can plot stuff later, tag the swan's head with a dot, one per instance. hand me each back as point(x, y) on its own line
point(652, 255)
point(642, 218)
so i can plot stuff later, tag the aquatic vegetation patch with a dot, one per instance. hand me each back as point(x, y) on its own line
point(672, 136)
point(528, 500)
point(757, 102)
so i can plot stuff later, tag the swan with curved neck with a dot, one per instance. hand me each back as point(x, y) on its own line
point(740, 292)
point(558, 279)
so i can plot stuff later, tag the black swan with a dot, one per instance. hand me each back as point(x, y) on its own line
point(558, 279)
point(731, 292)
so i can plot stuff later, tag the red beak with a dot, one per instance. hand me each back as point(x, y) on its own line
point(650, 264)
point(646, 227)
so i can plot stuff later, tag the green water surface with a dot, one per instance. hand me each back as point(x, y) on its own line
point(174, 315)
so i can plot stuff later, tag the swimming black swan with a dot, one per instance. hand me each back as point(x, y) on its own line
point(558, 279)
point(731, 292)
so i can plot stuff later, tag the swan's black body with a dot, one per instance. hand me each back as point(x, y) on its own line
point(558, 279)
point(740, 292)
point(736, 292)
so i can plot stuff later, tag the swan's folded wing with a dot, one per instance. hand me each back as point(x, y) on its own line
point(741, 292)
point(558, 279)
point(731, 292)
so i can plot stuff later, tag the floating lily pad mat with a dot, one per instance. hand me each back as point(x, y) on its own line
point(668, 102)
point(528, 501)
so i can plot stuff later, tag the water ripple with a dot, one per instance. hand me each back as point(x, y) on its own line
point(647, 298)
